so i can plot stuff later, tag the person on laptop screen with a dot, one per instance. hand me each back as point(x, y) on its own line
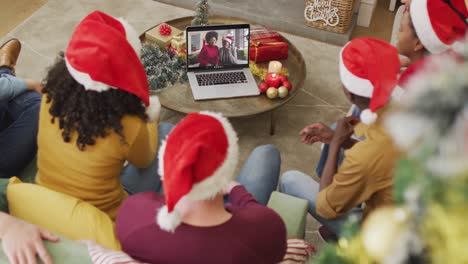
point(208, 56)
point(227, 52)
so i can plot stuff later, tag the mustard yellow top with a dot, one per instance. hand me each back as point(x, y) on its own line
point(92, 175)
point(365, 176)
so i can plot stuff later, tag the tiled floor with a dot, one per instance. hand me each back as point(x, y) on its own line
point(46, 32)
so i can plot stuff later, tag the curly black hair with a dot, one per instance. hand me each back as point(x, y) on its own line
point(211, 34)
point(91, 114)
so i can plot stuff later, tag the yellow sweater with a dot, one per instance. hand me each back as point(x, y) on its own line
point(92, 175)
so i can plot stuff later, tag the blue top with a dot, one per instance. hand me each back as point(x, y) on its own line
point(10, 87)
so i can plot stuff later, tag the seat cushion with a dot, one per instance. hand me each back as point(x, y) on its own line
point(60, 213)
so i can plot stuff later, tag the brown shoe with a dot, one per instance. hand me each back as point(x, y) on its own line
point(327, 235)
point(9, 53)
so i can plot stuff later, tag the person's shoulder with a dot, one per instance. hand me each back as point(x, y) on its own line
point(258, 215)
point(141, 201)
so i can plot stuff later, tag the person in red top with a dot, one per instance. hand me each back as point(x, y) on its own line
point(193, 225)
point(209, 54)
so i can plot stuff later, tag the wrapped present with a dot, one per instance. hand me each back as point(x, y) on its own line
point(178, 42)
point(260, 32)
point(267, 50)
point(162, 35)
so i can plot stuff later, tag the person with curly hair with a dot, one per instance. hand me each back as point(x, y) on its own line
point(208, 56)
point(96, 114)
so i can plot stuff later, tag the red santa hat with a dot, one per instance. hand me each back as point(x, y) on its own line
point(197, 159)
point(438, 25)
point(369, 68)
point(103, 54)
point(229, 38)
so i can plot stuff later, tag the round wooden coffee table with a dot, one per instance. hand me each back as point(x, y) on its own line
point(179, 98)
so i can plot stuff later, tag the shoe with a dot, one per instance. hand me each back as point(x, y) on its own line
point(327, 235)
point(9, 53)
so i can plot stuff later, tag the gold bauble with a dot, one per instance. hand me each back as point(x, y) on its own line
point(381, 231)
point(272, 93)
point(282, 92)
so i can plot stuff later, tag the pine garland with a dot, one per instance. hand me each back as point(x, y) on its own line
point(160, 68)
point(202, 10)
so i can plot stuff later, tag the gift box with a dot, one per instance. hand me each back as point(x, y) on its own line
point(268, 50)
point(260, 32)
point(162, 40)
point(178, 42)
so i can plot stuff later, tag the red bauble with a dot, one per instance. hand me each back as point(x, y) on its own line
point(272, 80)
point(165, 30)
point(263, 87)
point(288, 85)
point(283, 78)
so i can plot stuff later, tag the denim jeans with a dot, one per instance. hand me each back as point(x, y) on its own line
point(301, 185)
point(135, 180)
point(18, 131)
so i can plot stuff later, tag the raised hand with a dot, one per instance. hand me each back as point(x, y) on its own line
point(316, 132)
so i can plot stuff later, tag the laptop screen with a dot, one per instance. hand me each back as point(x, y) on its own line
point(218, 47)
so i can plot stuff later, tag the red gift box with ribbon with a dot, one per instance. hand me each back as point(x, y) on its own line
point(260, 32)
point(268, 49)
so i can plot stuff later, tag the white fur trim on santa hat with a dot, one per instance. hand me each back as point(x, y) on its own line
point(225, 173)
point(153, 110)
point(368, 117)
point(423, 26)
point(85, 80)
point(353, 83)
point(162, 150)
point(168, 221)
point(132, 36)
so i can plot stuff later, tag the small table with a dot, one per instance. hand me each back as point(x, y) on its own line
point(179, 98)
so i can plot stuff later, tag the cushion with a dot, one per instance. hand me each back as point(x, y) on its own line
point(64, 251)
point(60, 213)
point(292, 210)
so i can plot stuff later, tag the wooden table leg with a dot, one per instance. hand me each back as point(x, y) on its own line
point(272, 122)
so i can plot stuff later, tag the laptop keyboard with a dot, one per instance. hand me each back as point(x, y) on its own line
point(205, 79)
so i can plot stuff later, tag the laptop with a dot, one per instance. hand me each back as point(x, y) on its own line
point(218, 61)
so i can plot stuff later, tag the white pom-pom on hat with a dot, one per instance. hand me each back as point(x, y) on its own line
point(368, 117)
point(153, 110)
point(168, 221)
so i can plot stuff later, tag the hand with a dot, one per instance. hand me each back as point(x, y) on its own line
point(317, 132)
point(34, 85)
point(22, 241)
point(344, 130)
point(404, 61)
point(228, 188)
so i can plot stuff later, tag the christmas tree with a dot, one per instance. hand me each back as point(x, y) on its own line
point(160, 68)
point(201, 13)
point(428, 222)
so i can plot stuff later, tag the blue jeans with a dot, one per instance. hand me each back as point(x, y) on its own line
point(135, 180)
point(18, 131)
point(301, 185)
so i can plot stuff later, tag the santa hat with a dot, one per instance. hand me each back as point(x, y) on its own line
point(438, 26)
point(103, 54)
point(369, 68)
point(229, 38)
point(197, 159)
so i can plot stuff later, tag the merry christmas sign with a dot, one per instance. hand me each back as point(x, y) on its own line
point(322, 10)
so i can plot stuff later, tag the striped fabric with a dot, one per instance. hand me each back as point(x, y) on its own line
point(100, 255)
point(298, 252)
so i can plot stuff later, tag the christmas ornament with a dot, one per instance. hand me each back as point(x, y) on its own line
point(273, 80)
point(263, 87)
point(283, 78)
point(165, 30)
point(382, 230)
point(261, 72)
point(272, 93)
point(282, 92)
point(287, 84)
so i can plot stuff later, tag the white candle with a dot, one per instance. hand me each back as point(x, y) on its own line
point(274, 66)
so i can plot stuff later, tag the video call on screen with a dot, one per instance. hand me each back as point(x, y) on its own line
point(218, 48)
